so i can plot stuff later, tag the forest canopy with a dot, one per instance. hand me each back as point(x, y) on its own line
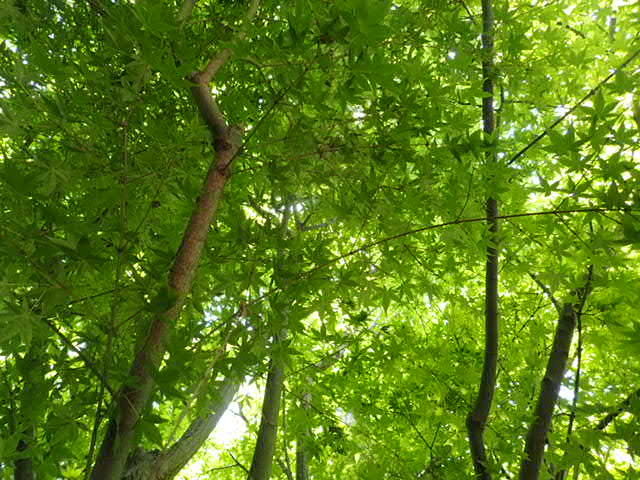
point(351, 239)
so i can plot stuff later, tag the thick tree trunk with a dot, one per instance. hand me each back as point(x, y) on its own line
point(133, 399)
point(266, 442)
point(556, 366)
point(478, 417)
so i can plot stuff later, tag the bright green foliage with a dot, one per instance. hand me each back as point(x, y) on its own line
point(363, 118)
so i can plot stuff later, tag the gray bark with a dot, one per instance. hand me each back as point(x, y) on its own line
point(262, 462)
point(556, 367)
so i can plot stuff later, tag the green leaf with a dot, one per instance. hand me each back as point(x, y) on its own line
point(152, 433)
point(165, 299)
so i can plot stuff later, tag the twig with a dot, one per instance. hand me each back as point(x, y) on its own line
point(623, 407)
point(237, 462)
point(85, 359)
point(547, 291)
point(591, 92)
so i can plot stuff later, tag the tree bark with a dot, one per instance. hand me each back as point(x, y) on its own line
point(262, 462)
point(24, 466)
point(166, 465)
point(478, 417)
point(556, 366)
point(302, 445)
point(623, 407)
point(302, 459)
point(133, 398)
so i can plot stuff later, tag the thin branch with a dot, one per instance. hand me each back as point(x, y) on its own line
point(547, 291)
point(408, 233)
point(87, 361)
point(623, 407)
point(367, 246)
point(285, 468)
point(591, 92)
point(237, 462)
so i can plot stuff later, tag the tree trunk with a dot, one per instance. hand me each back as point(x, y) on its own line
point(132, 399)
point(24, 466)
point(556, 366)
point(302, 459)
point(478, 417)
point(266, 442)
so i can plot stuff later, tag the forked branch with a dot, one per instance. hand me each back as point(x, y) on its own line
point(133, 398)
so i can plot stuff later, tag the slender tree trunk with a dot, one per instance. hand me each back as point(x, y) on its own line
point(133, 398)
point(262, 462)
point(556, 366)
point(33, 369)
point(478, 417)
point(302, 459)
point(302, 444)
point(550, 389)
point(24, 466)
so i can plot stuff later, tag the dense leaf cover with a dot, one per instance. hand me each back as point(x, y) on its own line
point(351, 230)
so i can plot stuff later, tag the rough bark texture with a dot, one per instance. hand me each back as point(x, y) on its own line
point(478, 417)
point(133, 398)
point(266, 442)
point(556, 366)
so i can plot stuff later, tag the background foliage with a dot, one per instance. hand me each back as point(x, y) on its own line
point(362, 122)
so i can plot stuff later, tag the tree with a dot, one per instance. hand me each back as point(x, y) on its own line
point(303, 197)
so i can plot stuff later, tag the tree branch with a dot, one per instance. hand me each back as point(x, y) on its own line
point(547, 291)
point(591, 92)
point(90, 365)
point(176, 457)
point(623, 407)
point(133, 398)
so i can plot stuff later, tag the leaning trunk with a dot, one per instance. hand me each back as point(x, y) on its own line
point(556, 366)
